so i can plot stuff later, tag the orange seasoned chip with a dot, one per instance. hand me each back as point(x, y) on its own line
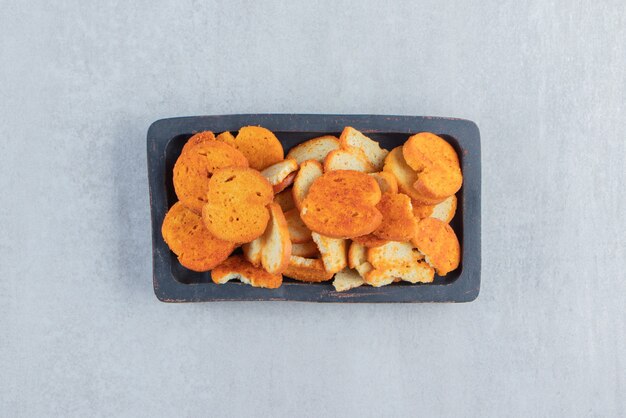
point(307, 270)
point(226, 137)
point(386, 181)
point(236, 204)
point(259, 145)
point(370, 240)
point(196, 139)
point(443, 211)
point(285, 200)
point(238, 268)
point(185, 234)
point(406, 177)
point(436, 163)
point(194, 168)
point(342, 204)
point(398, 223)
point(440, 245)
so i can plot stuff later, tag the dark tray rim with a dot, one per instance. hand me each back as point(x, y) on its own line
point(464, 289)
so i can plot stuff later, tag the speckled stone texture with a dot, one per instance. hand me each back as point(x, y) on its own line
point(81, 332)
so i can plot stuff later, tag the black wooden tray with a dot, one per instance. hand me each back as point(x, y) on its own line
point(174, 283)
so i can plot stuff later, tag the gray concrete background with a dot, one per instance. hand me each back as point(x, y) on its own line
point(81, 331)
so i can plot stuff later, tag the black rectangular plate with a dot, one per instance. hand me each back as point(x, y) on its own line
point(174, 283)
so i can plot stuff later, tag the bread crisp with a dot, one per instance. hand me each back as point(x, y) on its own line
point(397, 260)
point(259, 145)
point(185, 234)
point(443, 211)
point(236, 204)
point(285, 200)
point(276, 173)
point(370, 240)
point(393, 254)
point(347, 279)
point(288, 181)
point(194, 168)
point(342, 204)
point(310, 171)
point(348, 159)
point(386, 181)
point(252, 251)
point(334, 252)
point(357, 259)
point(314, 149)
point(307, 270)
point(276, 248)
point(306, 249)
point(196, 139)
point(419, 272)
point(350, 137)
point(226, 137)
point(436, 163)
point(298, 231)
point(440, 245)
point(398, 223)
point(237, 268)
point(406, 177)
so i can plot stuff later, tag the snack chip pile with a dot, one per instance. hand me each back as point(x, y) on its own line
point(332, 207)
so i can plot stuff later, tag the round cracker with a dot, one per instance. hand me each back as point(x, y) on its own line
point(236, 204)
point(342, 204)
point(195, 167)
point(437, 165)
point(196, 248)
point(199, 138)
point(440, 245)
point(398, 223)
point(260, 146)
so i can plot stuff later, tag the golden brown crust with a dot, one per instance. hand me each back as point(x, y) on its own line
point(370, 240)
point(421, 211)
point(196, 139)
point(298, 231)
point(226, 137)
point(436, 163)
point(386, 181)
point(307, 270)
point(194, 168)
point(285, 200)
point(260, 146)
point(236, 208)
point(287, 181)
point(236, 267)
point(398, 223)
point(196, 248)
point(443, 211)
point(405, 176)
point(341, 204)
point(438, 242)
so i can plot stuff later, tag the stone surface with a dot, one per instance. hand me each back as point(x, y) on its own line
point(81, 331)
